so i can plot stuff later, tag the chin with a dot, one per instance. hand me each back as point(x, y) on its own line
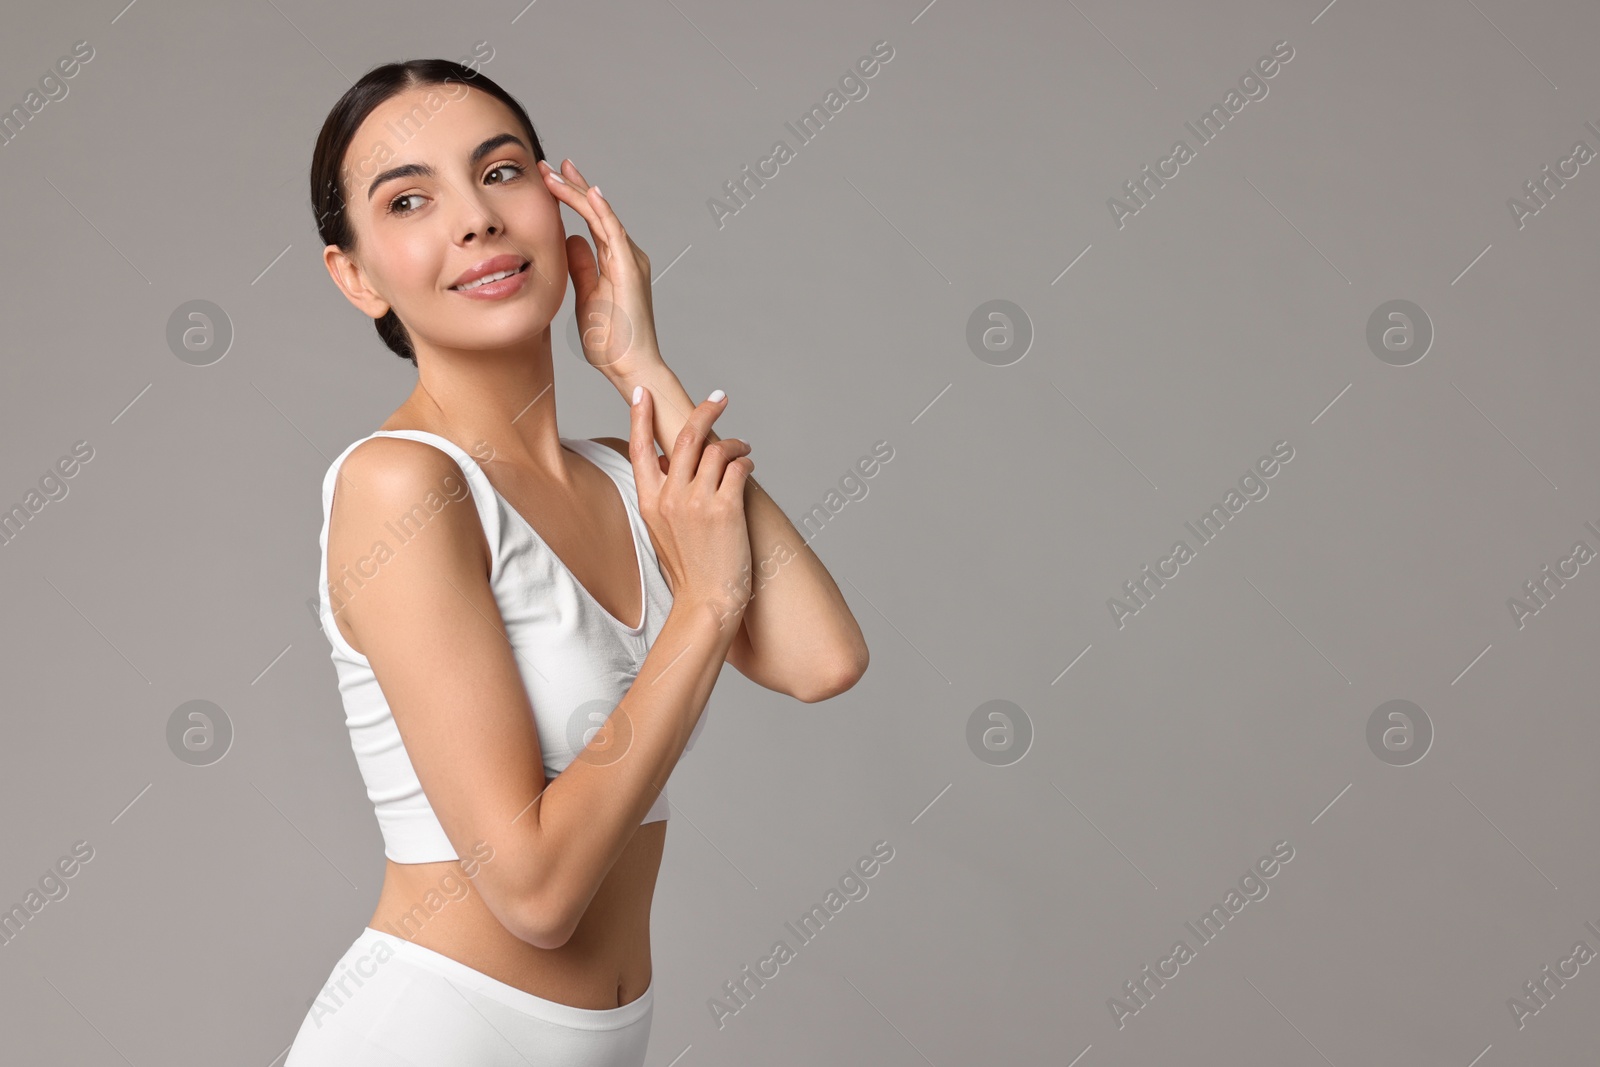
point(489, 335)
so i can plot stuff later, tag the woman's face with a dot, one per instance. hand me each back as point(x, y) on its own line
point(467, 190)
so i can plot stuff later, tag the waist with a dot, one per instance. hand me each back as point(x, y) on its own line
point(605, 964)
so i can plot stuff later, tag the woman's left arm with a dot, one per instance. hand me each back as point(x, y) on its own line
point(797, 635)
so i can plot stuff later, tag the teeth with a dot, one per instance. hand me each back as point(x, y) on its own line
point(487, 278)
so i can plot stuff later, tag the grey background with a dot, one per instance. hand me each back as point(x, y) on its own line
point(1229, 714)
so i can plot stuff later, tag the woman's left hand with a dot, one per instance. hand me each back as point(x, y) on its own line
point(616, 320)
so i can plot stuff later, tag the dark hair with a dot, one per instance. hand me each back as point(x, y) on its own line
point(339, 129)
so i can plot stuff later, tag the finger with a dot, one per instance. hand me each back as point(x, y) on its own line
point(616, 236)
point(734, 478)
point(716, 459)
point(581, 265)
point(573, 191)
point(691, 440)
point(648, 472)
point(570, 171)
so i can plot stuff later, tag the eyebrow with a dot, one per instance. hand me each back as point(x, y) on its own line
point(423, 170)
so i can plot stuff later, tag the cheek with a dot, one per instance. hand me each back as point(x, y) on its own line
point(542, 225)
point(413, 259)
point(542, 219)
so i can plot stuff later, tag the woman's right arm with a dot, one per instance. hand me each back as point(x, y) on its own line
point(428, 623)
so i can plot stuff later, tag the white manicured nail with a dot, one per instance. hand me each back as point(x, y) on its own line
point(716, 395)
point(638, 392)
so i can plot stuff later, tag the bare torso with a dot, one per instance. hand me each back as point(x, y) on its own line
point(606, 963)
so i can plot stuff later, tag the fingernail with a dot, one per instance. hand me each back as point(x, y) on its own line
point(716, 395)
point(638, 391)
point(556, 174)
point(597, 192)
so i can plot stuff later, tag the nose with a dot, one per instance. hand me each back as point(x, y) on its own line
point(479, 219)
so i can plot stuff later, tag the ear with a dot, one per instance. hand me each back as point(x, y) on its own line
point(352, 281)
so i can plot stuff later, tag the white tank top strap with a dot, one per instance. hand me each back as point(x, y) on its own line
point(484, 497)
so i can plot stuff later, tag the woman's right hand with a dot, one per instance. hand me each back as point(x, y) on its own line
point(692, 502)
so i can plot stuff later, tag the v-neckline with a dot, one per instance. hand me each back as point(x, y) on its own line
point(627, 511)
point(633, 537)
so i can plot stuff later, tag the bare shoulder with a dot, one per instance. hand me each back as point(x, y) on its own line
point(385, 465)
point(384, 478)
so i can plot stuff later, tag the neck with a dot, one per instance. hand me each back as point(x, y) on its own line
point(499, 404)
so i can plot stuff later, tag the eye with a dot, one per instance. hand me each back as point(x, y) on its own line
point(394, 209)
point(403, 196)
point(507, 166)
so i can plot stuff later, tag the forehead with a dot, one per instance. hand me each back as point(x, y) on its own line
point(435, 124)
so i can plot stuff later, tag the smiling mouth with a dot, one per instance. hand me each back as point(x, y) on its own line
point(488, 279)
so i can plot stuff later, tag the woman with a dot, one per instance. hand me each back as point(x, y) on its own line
point(514, 729)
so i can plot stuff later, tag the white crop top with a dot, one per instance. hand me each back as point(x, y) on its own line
point(576, 659)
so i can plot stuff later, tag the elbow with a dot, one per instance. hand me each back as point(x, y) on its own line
point(545, 927)
point(544, 923)
point(837, 680)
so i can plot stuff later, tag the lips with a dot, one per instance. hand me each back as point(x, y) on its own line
point(497, 265)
